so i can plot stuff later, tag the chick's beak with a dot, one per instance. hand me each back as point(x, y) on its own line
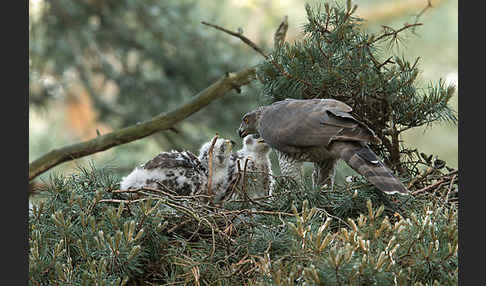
point(261, 141)
point(230, 146)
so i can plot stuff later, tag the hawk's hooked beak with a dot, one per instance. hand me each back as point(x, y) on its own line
point(242, 133)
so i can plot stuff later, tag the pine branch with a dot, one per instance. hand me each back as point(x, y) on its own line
point(128, 134)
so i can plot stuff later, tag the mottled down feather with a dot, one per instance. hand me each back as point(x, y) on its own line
point(178, 172)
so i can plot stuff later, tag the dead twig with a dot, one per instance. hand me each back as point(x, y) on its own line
point(240, 36)
point(263, 212)
point(210, 165)
point(243, 183)
point(260, 51)
point(122, 201)
point(393, 32)
point(439, 183)
point(161, 192)
point(450, 188)
point(429, 5)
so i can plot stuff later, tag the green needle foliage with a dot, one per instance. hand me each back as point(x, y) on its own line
point(88, 232)
point(336, 59)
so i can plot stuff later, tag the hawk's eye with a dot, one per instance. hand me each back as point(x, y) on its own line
point(246, 120)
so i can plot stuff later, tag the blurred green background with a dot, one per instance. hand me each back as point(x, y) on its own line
point(103, 65)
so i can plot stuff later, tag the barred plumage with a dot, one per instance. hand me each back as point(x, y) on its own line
point(183, 173)
point(319, 131)
point(178, 172)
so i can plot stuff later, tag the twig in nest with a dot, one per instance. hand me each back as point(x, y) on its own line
point(436, 184)
point(421, 177)
point(122, 201)
point(243, 188)
point(243, 183)
point(210, 164)
point(450, 187)
point(168, 194)
point(230, 189)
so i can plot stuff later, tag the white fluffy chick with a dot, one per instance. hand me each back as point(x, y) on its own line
point(221, 167)
point(178, 172)
point(259, 175)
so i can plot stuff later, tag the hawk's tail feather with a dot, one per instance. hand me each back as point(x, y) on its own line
point(365, 162)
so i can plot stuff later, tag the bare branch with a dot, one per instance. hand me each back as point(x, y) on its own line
point(240, 36)
point(260, 51)
point(394, 32)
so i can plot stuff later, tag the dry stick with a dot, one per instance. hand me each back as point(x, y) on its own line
point(243, 188)
point(210, 165)
point(433, 186)
point(257, 212)
point(260, 51)
point(232, 186)
point(139, 190)
point(395, 32)
point(174, 196)
point(450, 187)
point(421, 177)
point(160, 122)
point(234, 183)
point(177, 226)
point(429, 5)
point(424, 175)
point(122, 201)
point(240, 36)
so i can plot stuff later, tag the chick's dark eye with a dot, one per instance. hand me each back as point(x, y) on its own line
point(256, 135)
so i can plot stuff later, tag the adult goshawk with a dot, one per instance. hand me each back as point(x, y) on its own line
point(321, 131)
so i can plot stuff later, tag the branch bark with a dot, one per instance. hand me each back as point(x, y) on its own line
point(160, 122)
